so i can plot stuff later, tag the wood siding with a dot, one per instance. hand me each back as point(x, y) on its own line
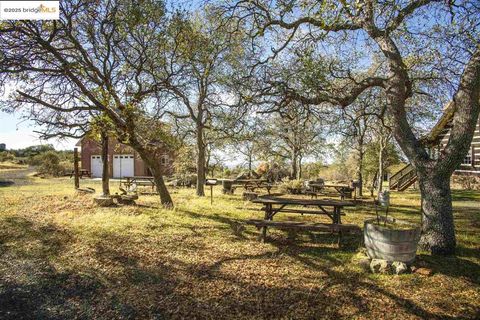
point(474, 152)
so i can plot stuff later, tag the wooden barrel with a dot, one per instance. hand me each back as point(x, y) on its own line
point(391, 244)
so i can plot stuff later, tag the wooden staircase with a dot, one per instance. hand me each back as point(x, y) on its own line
point(403, 178)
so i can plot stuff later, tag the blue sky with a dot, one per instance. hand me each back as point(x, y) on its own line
point(18, 133)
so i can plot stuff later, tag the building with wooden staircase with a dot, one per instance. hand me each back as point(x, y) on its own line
point(437, 140)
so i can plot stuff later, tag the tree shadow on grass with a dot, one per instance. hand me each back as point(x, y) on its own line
point(454, 266)
point(236, 226)
point(125, 283)
point(317, 302)
point(32, 288)
point(465, 195)
point(48, 295)
point(6, 183)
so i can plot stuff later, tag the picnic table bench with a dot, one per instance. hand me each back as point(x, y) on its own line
point(274, 205)
point(133, 182)
point(288, 225)
point(81, 173)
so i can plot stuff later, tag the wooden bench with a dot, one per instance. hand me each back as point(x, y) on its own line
point(305, 211)
point(138, 181)
point(303, 226)
point(81, 173)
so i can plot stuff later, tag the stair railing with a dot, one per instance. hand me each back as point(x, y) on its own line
point(398, 177)
point(405, 179)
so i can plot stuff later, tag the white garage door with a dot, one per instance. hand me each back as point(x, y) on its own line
point(123, 165)
point(96, 165)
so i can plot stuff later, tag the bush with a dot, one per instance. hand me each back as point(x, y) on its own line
point(185, 180)
point(49, 164)
point(6, 156)
point(466, 182)
point(291, 186)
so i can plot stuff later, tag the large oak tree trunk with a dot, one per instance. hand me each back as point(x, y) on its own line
point(438, 231)
point(438, 227)
point(294, 168)
point(151, 160)
point(200, 163)
point(162, 190)
point(105, 173)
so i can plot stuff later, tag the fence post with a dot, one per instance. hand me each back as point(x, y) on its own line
point(75, 168)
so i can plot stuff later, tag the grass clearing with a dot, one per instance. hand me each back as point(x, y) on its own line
point(62, 257)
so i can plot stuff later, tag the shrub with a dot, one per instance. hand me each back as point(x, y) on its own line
point(6, 156)
point(466, 182)
point(291, 186)
point(187, 180)
point(49, 164)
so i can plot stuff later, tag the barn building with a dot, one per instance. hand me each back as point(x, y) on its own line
point(123, 160)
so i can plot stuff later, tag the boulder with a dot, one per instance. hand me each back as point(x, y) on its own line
point(103, 201)
point(127, 199)
point(364, 263)
point(381, 266)
point(423, 271)
point(362, 260)
point(399, 267)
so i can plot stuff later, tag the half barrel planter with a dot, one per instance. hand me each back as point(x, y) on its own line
point(391, 244)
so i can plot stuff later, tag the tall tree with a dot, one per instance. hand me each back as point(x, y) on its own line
point(440, 57)
point(355, 124)
point(293, 133)
point(248, 142)
point(98, 58)
point(205, 52)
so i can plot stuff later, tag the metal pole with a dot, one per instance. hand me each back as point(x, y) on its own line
point(211, 195)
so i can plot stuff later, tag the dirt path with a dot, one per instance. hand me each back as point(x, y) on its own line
point(10, 177)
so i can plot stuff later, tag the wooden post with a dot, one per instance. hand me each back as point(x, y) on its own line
point(268, 216)
point(473, 156)
point(211, 194)
point(75, 168)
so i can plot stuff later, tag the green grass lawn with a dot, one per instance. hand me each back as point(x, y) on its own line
point(61, 257)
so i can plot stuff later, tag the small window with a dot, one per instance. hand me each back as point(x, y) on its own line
point(164, 160)
point(468, 159)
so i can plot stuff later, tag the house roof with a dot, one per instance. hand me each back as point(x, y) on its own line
point(79, 142)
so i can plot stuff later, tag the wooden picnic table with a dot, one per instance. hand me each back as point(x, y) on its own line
point(342, 189)
point(81, 173)
point(274, 205)
point(247, 184)
point(138, 181)
point(345, 191)
point(257, 184)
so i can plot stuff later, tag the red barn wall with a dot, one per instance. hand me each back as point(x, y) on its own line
point(91, 147)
